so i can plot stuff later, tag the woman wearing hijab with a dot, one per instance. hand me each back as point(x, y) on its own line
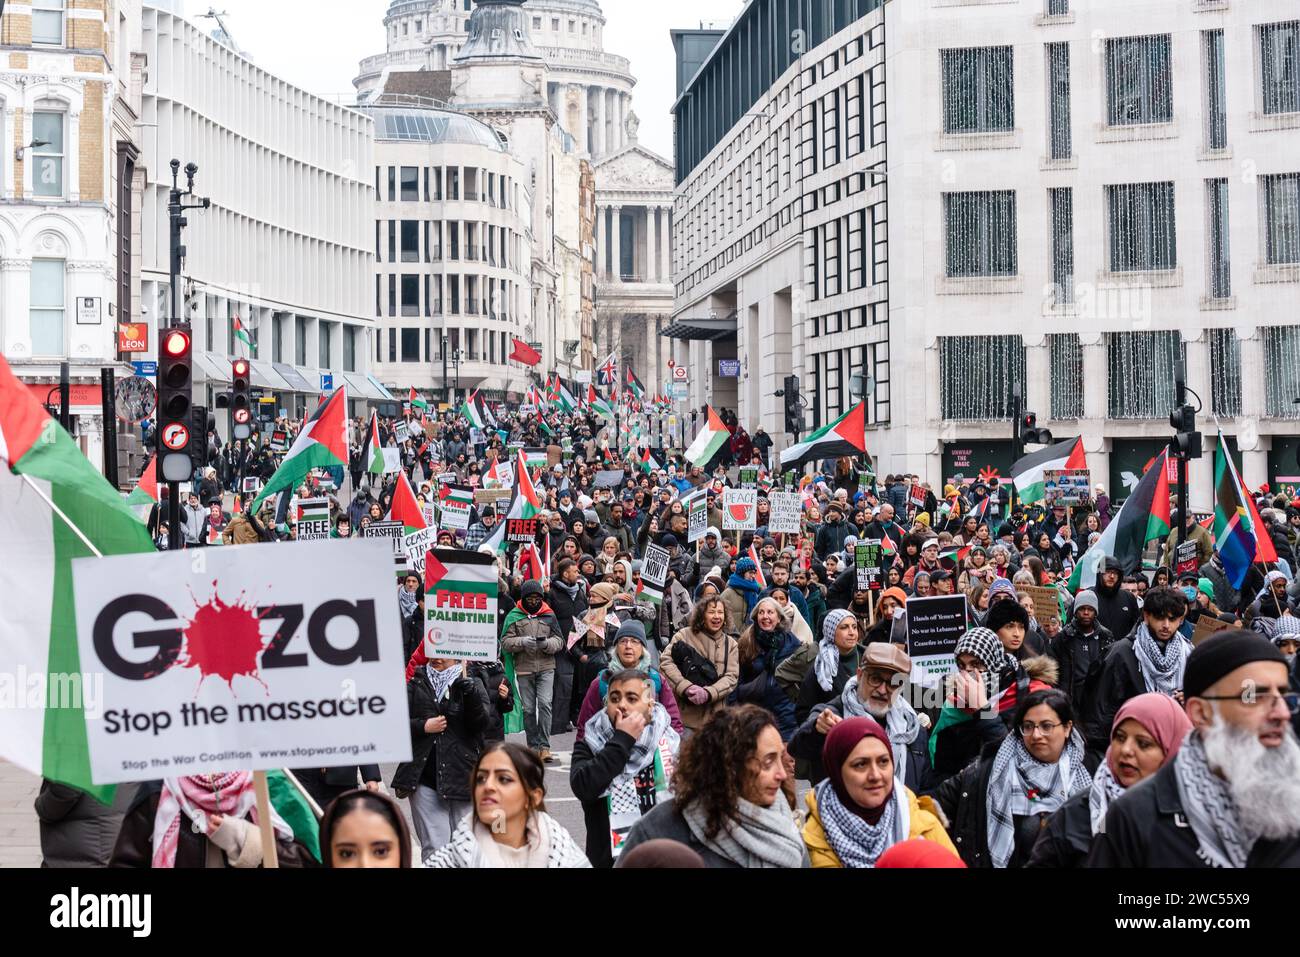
point(364, 829)
point(1147, 732)
point(999, 804)
point(838, 654)
point(202, 820)
point(1271, 602)
point(762, 647)
point(861, 810)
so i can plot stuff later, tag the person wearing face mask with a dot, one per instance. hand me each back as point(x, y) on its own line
point(532, 635)
point(1148, 731)
point(998, 804)
point(763, 646)
point(727, 802)
point(631, 652)
point(623, 764)
point(702, 663)
point(862, 808)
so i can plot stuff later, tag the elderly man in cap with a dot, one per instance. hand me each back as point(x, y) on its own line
point(1231, 796)
point(876, 691)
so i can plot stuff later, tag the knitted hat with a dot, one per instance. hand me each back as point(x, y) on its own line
point(531, 587)
point(601, 594)
point(1006, 613)
point(631, 629)
point(1085, 599)
point(895, 593)
point(985, 645)
point(669, 541)
point(1001, 586)
point(1205, 587)
point(1223, 653)
point(745, 565)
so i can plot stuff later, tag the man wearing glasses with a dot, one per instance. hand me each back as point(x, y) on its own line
point(1231, 796)
point(874, 692)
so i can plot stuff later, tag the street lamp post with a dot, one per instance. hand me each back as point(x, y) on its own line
point(446, 393)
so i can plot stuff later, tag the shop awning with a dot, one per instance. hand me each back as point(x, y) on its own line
point(359, 386)
point(702, 329)
point(265, 377)
point(383, 393)
point(212, 367)
point(297, 381)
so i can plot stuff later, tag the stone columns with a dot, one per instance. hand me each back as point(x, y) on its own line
point(601, 145)
point(651, 241)
point(665, 245)
point(581, 133)
point(600, 242)
point(616, 243)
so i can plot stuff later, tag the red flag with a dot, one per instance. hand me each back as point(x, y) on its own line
point(752, 554)
point(525, 353)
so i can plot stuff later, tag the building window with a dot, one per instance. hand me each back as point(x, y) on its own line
point(392, 184)
point(300, 340)
point(1058, 101)
point(410, 241)
point(392, 240)
point(1066, 357)
point(1216, 116)
point(47, 173)
point(537, 23)
point(976, 374)
point(978, 90)
point(1061, 204)
point(1225, 372)
point(1281, 216)
point(1141, 227)
point(47, 22)
point(410, 184)
point(1220, 265)
point(555, 24)
point(857, 249)
point(277, 339)
point(1281, 371)
point(410, 295)
point(1279, 66)
point(830, 264)
point(324, 335)
point(392, 345)
point(349, 349)
point(1140, 373)
point(392, 294)
point(410, 345)
point(1138, 87)
point(981, 233)
point(453, 182)
point(830, 129)
point(47, 307)
point(1058, 8)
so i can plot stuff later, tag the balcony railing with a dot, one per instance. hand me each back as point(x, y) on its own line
point(564, 56)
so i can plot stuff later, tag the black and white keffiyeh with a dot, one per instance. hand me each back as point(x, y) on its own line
point(1105, 789)
point(1020, 784)
point(828, 655)
point(1209, 807)
point(1162, 668)
point(855, 842)
point(901, 722)
point(441, 680)
point(600, 730)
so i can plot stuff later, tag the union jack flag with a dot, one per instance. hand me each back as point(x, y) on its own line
point(608, 373)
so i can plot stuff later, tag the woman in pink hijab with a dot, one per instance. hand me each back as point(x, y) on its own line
point(1146, 734)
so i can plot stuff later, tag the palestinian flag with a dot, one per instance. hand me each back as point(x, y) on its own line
point(462, 495)
point(887, 546)
point(752, 555)
point(1145, 516)
point(242, 334)
point(710, 440)
point(372, 454)
point(599, 405)
point(541, 424)
point(531, 565)
point(1235, 534)
point(38, 630)
point(499, 475)
point(567, 402)
point(981, 510)
point(634, 384)
point(534, 458)
point(648, 463)
point(406, 507)
point(415, 402)
point(847, 435)
point(471, 410)
point(322, 442)
point(146, 491)
point(1028, 471)
point(525, 494)
point(953, 557)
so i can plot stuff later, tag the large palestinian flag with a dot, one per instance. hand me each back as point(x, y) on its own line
point(1028, 471)
point(1145, 516)
point(372, 453)
point(38, 629)
point(847, 435)
point(712, 437)
point(323, 442)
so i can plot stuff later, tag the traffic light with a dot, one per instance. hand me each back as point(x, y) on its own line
point(204, 422)
point(1187, 441)
point(793, 407)
point(175, 402)
point(1030, 433)
point(241, 406)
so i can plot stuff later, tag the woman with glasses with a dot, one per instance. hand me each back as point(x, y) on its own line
point(1147, 732)
point(1000, 803)
point(861, 809)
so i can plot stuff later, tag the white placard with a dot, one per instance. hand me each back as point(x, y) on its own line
point(265, 658)
point(739, 508)
point(417, 545)
point(787, 509)
point(314, 520)
point(392, 460)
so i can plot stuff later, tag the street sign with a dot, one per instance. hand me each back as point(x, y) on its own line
point(175, 436)
point(729, 368)
point(681, 390)
point(132, 337)
point(145, 367)
point(681, 374)
point(327, 381)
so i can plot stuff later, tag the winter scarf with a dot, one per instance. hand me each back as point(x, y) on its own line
point(828, 655)
point(1208, 804)
point(440, 681)
point(645, 666)
point(747, 588)
point(755, 837)
point(1020, 784)
point(570, 590)
point(472, 846)
point(196, 797)
point(407, 601)
point(1105, 789)
point(1162, 669)
point(855, 842)
point(901, 723)
point(647, 750)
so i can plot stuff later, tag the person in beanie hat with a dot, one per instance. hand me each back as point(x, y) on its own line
point(1000, 589)
point(741, 595)
point(1231, 796)
point(1080, 648)
point(631, 651)
point(532, 635)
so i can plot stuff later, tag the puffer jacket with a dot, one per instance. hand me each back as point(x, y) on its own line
point(76, 830)
point(721, 650)
point(759, 685)
point(530, 658)
point(455, 750)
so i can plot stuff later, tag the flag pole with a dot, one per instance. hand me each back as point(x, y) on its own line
point(270, 854)
point(59, 512)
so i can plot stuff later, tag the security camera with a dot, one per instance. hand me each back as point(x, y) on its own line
point(191, 169)
point(176, 166)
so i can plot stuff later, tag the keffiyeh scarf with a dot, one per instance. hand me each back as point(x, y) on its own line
point(1162, 670)
point(1209, 807)
point(195, 797)
point(828, 655)
point(855, 842)
point(901, 723)
point(1105, 789)
point(441, 680)
point(1020, 784)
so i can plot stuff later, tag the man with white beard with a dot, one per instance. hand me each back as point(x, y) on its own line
point(873, 692)
point(1231, 797)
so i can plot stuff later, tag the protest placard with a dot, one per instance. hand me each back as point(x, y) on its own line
point(521, 529)
point(1207, 625)
point(270, 653)
point(279, 441)
point(1066, 486)
point(460, 605)
point(697, 514)
point(787, 509)
point(430, 514)
point(455, 514)
point(916, 497)
point(402, 430)
point(313, 519)
point(866, 559)
point(609, 478)
point(395, 532)
point(251, 485)
point(392, 461)
point(749, 476)
point(489, 495)
point(417, 545)
point(933, 627)
point(1047, 602)
point(1185, 559)
point(654, 573)
point(739, 508)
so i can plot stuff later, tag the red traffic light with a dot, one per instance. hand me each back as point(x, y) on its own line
point(176, 343)
point(240, 367)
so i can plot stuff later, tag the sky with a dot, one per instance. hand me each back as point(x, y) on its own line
point(317, 44)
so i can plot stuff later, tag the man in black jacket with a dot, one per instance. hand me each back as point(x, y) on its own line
point(1231, 796)
point(1117, 609)
point(885, 526)
point(830, 537)
point(568, 599)
point(1080, 647)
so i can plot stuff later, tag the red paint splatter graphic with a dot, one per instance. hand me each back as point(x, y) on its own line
point(223, 639)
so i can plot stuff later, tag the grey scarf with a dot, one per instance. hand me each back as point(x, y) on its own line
point(1208, 804)
point(901, 723)
point(1162, 670)
point(756, 837)
point(600, 730)
point(1017, 774)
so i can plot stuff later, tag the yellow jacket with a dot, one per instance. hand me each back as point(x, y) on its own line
point(921, 823)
